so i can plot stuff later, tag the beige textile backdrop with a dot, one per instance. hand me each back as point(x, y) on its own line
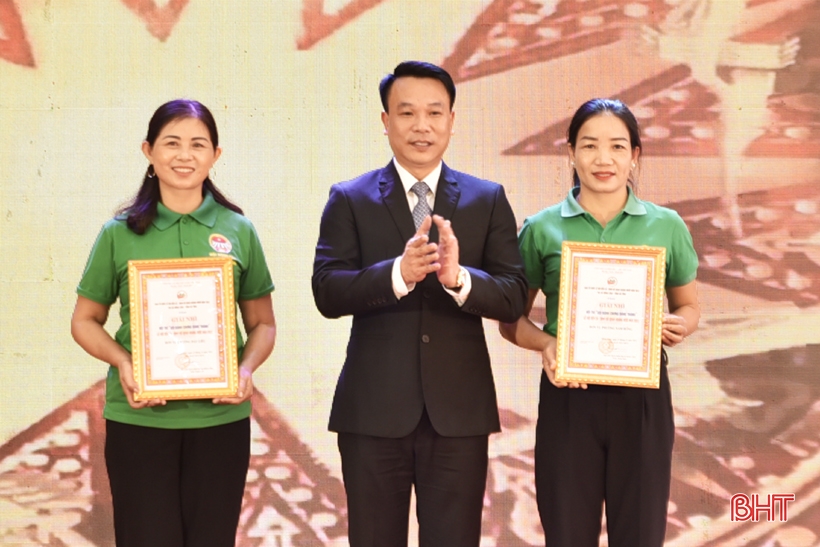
point(728, 95)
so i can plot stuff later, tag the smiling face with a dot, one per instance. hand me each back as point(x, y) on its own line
point(603, 155)
point(182, 155)
point(418, 123)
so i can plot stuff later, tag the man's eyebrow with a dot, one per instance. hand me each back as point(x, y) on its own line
point(405, 104)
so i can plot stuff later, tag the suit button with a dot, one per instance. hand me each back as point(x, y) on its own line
point(425, 338)
point(426, 293)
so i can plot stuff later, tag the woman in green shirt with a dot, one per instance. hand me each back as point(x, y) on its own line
point(177, 468)
point(601, 444)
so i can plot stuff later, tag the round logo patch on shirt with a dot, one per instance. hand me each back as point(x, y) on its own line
point(220, 243)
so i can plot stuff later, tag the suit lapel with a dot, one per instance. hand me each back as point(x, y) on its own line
point(447, 195)
point(395, 200)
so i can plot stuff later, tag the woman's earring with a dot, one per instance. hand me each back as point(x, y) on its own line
point(150, 173)
point(634, 165)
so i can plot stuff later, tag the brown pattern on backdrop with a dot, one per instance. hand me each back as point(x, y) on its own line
point(319, 20)
point(683, 115)
point(514, 33)
point(54, 488)
point(14, 46)
point(159, 20)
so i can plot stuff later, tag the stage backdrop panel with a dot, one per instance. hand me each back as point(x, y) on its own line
point(727, 94)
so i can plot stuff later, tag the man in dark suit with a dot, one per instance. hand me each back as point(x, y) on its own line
point(415, 401)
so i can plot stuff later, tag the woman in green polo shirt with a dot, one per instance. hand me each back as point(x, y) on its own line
point(177, 468)
point(599, 444)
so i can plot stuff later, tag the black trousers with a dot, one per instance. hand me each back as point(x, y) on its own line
point(604, 444)
point(449, 475)
point(177, 487)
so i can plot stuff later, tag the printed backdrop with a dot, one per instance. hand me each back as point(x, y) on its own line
point(728, 96)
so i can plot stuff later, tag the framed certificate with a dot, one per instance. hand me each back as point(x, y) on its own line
point(610, 314)
point(183, 328)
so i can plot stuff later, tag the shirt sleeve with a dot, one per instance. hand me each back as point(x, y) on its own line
point(255, 280)
point(464, 293)
point(99, 281)
point(682, 264)
point(533, 265)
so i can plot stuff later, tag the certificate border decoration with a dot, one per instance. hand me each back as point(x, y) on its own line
point(572, 254)
point(221, 269)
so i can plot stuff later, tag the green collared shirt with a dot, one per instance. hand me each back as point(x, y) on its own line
point(639, 223)
point(211, 230)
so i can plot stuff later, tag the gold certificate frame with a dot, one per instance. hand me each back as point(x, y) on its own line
point(183, 328)
point(610, 314)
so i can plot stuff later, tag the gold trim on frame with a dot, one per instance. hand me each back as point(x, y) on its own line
point(223, 311)
point(636, 370)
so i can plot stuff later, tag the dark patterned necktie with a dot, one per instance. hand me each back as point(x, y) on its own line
point(422, 208)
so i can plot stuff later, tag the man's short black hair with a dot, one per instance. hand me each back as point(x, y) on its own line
point(417, 69)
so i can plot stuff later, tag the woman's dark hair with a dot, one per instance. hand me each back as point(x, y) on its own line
point(597, 107)
point(142, 210)
point(417, 69)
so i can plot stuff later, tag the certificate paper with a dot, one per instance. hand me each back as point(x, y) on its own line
point(183, 328)
point(610, 314)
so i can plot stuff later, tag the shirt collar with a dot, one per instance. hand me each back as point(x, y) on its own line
point(571, 207)
point(205, 214)
point(408, 180)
